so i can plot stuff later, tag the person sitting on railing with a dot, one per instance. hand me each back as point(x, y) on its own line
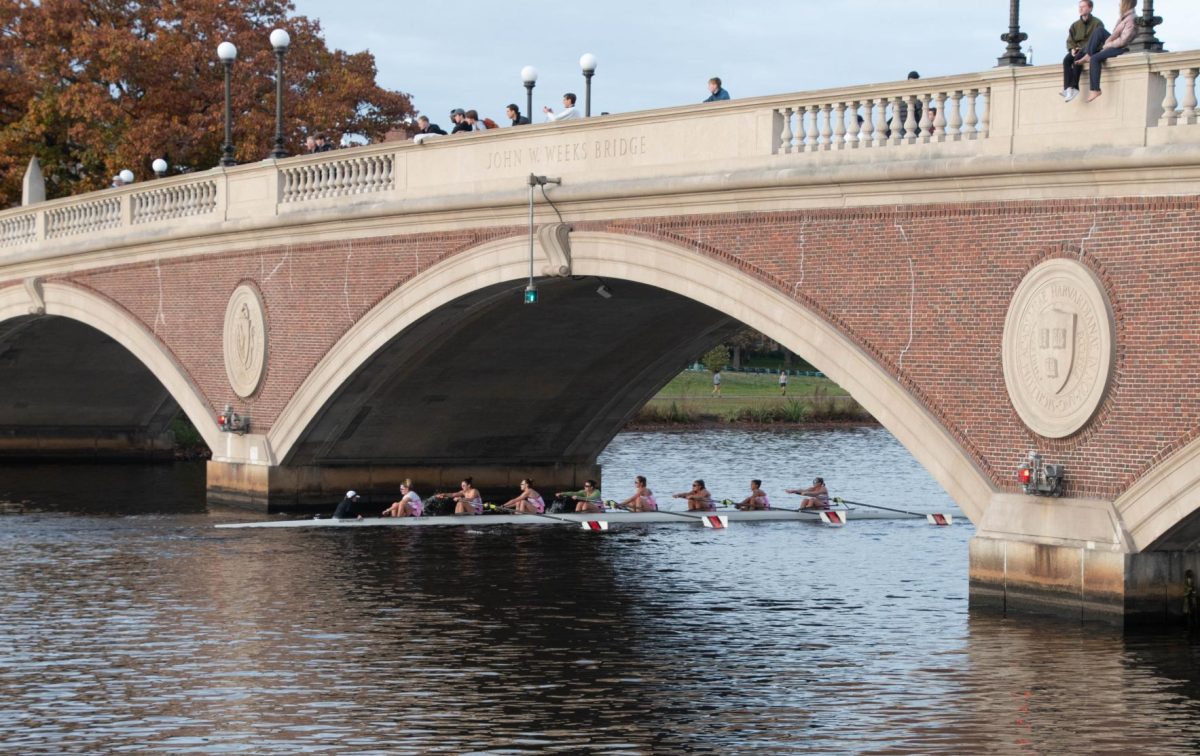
point(1102, 46)
point(459, 116)
point(1077, 42)
point(568, 112)
point(427, 130)
point(717, 93)
point(514, 113)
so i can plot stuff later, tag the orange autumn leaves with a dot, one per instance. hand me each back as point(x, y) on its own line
point(91, 87)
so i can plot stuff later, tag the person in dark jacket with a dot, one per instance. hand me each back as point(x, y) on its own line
point(459, 116)
point(345, 508)
point(425, 127)
point(1077, 43)
point(717, 93)
point(514, 113)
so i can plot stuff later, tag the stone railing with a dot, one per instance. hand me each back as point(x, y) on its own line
point(873, 132)
point(83, 218)
point(17, 230)
point(337, 178)
point(815, 125)
point(176, 201)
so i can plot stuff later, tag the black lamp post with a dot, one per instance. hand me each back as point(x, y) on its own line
point(587, 64)
point(280, 41)
point(1013, 55)
point(227, 52)
point(529, 76)
point(1144, 40)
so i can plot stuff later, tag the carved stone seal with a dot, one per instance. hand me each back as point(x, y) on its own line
point(1058, 347)
point(245, 340)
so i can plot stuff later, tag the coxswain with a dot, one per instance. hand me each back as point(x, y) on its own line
point(345, 508)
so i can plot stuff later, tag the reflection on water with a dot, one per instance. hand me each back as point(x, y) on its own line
point(156, 633)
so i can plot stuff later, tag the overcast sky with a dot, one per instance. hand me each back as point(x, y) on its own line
point(469, 53)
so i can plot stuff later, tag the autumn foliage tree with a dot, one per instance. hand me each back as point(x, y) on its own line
point(91, 87)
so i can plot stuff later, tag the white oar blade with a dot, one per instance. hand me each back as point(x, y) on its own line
point(941, 520)
point(833, 519)
point(594, 525)
point(717, 522)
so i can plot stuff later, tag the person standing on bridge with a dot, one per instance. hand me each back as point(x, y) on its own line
point(1077, 42)
point(514, 114)
point(409, 505)
point(569, 111)
point(757, 498)
point(1103, 46)
point(816, 495)
point(528, 501)
point(698, 499)
point(642, 499)
point(717, 93)
point(459, 116)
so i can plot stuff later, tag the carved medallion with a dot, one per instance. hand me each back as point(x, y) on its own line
point(1058, 347)
point(245, 340)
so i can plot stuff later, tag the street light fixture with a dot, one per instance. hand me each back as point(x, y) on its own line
point(529, 77)
point(127, 176)
point(160, 167)
point(1013, 55)
point(587, 64)
point(227, 52)
point(1144, 40)
point(280, 40)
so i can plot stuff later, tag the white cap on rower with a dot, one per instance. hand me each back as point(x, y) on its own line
point(351, 494)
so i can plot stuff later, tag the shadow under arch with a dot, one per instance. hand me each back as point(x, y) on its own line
point(723, 288)
point(104, 316)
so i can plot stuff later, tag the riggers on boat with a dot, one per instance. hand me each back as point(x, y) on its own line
point(581, 519)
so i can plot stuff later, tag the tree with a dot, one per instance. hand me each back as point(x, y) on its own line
point(94, 86)
point(716, 358)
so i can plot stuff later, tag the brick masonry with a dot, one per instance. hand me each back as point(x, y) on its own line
point(924, 289)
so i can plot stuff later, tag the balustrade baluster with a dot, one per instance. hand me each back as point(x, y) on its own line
point(1169, 104)
point(826, 131)
point(972, 117)
point(910, 120)
point(897, 122)
point(955, 126)
point(881, 122)
point(926, 124)
point(939, 121)
point(839, 126)
point(985, 121)
point(854, 128)
point(1188, 116)
point(867, 138)
point(785, 132)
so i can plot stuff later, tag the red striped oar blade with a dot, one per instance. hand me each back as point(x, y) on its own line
point(835, 519)
point(941, 520)
point(594, 525)
point(718, 522)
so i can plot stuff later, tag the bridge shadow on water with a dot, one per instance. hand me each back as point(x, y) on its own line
point(104, 488)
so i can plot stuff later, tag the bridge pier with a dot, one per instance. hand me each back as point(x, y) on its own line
point(266, 488)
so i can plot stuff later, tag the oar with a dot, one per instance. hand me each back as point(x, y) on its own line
point(938, 519)
point(718, 522)
point(594, 525)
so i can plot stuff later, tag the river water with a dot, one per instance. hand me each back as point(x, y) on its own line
point(130, 624)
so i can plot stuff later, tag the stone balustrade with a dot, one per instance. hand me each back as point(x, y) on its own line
point(870, 131)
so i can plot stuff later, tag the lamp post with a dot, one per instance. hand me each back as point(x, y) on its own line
point(160, 167)
point(587, 64)
point(127, 176)
point(227, 52)
point(1144, 40)
point(280, 41)
point(529, 77)
point(1013, 55)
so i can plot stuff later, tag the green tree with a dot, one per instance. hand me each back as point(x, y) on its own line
point(716, 358)
point(91, 87)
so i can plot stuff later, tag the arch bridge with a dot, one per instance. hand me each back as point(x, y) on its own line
point(1009, 274)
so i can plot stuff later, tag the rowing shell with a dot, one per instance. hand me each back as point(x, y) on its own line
point(612, 517)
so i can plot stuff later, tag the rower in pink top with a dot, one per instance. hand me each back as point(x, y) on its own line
point(757, 498)
point(528, 501)
point(642, 499)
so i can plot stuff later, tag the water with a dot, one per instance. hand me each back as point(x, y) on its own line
point(129, 624)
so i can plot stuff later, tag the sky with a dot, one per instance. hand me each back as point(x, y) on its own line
point(469, 53)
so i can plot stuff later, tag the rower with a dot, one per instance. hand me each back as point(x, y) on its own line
point(467, 500)
point(757, 498)
point(817, 495)
point(698, 499)
point(345, 508)
point(409, 505)
point(587, 500)
point(528, 501)
point(642, 499)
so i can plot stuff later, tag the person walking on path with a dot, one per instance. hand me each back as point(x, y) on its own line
point(1103, 46)
point(717, 93)
point(1077, 42)
point(783, 379)
point(716, 383)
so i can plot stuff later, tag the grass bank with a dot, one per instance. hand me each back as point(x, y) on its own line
point(750, 399)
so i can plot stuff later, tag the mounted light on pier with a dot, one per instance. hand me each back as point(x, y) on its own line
point(1040, 479)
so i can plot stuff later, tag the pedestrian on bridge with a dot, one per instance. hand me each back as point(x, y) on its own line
point(717, 92)
point(569, 111)
point(514, 113)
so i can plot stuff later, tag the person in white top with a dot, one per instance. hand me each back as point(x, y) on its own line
point(409, 505)
point(568, 112)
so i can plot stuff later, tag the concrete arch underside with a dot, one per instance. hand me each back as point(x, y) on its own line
point(80, 376)
point(452, 368)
